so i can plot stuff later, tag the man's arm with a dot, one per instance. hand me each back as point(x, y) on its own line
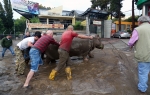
point(30, 44)
point(133, 39)
point(2, 42)
point(54, 42)
point(84, 36)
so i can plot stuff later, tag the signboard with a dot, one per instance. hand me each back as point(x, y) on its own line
point(97, 22)
point(40, 25)
point(26, 6)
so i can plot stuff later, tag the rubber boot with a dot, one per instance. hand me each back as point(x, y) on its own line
point(52, 74)
point(68, 72)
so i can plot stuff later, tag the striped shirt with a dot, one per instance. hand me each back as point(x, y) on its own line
point(44, 42)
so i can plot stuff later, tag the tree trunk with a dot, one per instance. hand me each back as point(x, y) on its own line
point(133, 16)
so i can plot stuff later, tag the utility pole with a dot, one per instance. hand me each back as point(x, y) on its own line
point(133, 16)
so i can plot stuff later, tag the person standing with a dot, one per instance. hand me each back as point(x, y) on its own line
point(6, 43)
point(141, 41)
point(26, 35)
point(35, 54)
point(19, 49)
point(64, 48)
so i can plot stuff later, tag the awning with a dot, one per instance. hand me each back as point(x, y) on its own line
point(140, 3)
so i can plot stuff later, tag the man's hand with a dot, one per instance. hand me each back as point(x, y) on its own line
point(91, 37)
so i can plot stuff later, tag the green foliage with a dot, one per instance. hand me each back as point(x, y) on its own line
point(114, 19)
point(115, 5)
point(128, 30)
point(100, 3)
point(34, 20)
point(78, 26)
point(43, 7)
point(6, 15)
point(130, 19)
point(20, 25)
point(1, 27)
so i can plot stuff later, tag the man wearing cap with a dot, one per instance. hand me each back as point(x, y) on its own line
point(141, 41)
point(6, 43)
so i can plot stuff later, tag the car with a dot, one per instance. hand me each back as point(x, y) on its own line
point(121, 34)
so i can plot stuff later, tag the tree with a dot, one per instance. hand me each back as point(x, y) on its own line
point(34, 20)
point(20, 25)
point(43, 7)
point(6, 15)
point(129, 19)
point(115, 6)
point(102, 4)
point(1, 27)
point(2, 16)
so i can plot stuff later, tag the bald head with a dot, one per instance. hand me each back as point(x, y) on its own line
point(50, 33)
point(70, 27)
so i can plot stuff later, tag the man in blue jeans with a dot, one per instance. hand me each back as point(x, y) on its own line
point(6, 43)
point(35, 54)
point(141, 41)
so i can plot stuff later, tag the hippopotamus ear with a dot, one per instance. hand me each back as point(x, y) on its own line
point(96, 35)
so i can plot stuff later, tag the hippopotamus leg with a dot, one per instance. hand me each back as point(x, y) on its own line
point(47, 60)
point(90, 55)
point(85, 57)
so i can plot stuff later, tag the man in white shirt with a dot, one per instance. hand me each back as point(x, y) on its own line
point(22, 45)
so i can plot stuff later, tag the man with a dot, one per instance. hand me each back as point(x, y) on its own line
point(35, 54)
point(63, 51)
point(141, 41)
point(6, 43)
point(27, 35)
point(21, 46)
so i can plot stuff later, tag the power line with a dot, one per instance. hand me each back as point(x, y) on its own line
point(129, 10)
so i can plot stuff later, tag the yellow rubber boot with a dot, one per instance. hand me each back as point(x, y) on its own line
point(68, 72)
point(52, 74)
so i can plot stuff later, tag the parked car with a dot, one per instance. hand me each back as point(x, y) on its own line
point(121, 34)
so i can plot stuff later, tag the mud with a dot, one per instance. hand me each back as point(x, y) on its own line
point(112, 71)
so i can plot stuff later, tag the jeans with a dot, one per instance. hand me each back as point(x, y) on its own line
point(35, 57)
point(143, 71)
point(11, 50)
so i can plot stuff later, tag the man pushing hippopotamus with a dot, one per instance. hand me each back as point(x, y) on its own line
point(67, 49)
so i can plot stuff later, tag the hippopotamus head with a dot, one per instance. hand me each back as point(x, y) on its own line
point(97, 42)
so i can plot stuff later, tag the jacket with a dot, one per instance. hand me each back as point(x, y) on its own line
point(6, 43)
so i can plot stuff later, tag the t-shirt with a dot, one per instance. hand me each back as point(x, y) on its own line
point(24, 43)
point(66, 40)
point(43, 43)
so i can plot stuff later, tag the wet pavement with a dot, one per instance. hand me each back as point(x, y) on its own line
point(112, 71)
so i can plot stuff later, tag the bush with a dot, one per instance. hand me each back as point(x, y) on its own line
point(78, 26)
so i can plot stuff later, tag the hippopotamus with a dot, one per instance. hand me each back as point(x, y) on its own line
point(79, 47)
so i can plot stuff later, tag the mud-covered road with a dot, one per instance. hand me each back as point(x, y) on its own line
point(112, 71)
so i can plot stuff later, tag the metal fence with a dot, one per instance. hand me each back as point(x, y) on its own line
point(12, 35)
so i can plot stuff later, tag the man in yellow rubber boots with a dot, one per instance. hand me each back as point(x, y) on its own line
point(64, 48)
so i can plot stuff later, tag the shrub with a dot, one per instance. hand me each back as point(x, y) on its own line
point(78, 26)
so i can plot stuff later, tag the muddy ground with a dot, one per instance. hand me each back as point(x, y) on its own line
point(112, 71)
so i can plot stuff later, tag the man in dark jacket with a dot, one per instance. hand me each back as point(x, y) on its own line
point(6, 43)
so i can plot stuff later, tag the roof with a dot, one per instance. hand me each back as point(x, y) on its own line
point(95, 13)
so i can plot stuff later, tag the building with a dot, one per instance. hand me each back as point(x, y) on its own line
point(124, 25)
point(55, 19)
